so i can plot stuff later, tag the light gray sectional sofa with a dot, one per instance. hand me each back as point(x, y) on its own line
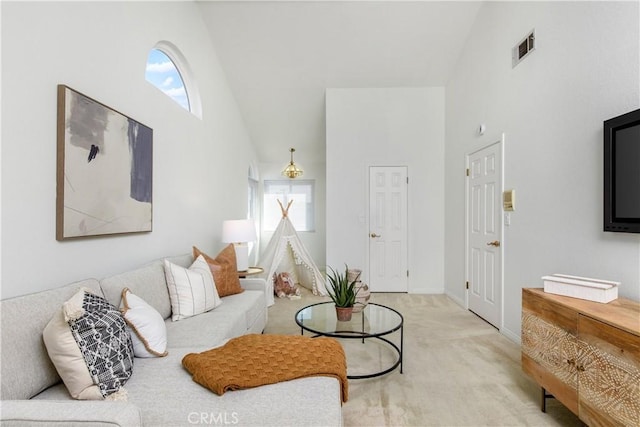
point(160, 391)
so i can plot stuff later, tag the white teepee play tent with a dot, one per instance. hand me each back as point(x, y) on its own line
point(286, 253)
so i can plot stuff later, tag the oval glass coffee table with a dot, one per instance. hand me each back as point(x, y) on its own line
point(374, 321)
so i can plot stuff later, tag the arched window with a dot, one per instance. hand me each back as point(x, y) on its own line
point(168, 71)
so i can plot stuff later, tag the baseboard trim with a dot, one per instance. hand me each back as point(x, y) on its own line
point(457, 300)
point(426, 290)
point(511, 335)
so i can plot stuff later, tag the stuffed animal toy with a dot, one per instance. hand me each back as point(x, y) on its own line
point(283, 285)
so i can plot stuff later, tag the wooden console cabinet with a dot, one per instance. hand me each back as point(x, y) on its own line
point(586, 354)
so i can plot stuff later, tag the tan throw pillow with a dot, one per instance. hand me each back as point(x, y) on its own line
point(224, 270)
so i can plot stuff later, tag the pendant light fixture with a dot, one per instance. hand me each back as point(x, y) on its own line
point(292, 171)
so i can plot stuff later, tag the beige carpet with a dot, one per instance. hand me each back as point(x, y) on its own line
point(458, 370)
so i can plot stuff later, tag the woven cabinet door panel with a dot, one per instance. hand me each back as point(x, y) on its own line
point(550, 346)
point(608, 374)
point(548, 355)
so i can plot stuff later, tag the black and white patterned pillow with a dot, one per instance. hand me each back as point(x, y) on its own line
point(105, 343)
point(90, 346)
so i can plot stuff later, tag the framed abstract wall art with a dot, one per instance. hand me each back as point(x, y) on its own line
point(104, 173)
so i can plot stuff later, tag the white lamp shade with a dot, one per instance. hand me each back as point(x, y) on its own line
point(238, 231)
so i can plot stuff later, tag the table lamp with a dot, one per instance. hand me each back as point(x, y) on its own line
point(239, 232)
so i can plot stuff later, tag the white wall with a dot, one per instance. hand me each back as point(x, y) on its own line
point(100, 49)
point(386, 127)
point(313, 241)
point(585, 69)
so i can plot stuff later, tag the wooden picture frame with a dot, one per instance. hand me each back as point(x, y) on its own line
point(104, 170)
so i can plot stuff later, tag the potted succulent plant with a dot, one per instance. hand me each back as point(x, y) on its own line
point(343, 292)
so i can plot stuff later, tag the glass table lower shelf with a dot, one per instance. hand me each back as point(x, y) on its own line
point(375, 321)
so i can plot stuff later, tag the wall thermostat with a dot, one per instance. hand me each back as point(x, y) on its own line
point(509, 200)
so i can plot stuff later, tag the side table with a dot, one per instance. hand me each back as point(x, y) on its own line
point(250, 272)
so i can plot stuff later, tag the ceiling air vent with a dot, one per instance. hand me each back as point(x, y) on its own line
point(524, 48)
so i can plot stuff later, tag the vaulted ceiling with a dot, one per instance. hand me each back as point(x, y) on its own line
point(280, 57)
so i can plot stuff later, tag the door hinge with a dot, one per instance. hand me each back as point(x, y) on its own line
point(407, 180)
point(468, 172)
point(467, 284)
point(407, 273)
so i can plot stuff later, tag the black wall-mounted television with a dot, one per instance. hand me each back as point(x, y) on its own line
point(622, 173)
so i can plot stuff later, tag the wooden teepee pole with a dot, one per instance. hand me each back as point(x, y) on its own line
point(285, 212)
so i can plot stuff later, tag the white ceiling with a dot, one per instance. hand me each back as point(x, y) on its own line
point(280, 57)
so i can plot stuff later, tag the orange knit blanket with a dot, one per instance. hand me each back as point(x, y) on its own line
point(254, 360)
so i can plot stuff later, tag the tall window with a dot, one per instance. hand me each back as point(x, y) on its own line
point(253, 199)
point(301, 212)
point(252, 210)
point(252, 202)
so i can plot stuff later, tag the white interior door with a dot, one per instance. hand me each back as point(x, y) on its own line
point(484, 233)
point(388, 228)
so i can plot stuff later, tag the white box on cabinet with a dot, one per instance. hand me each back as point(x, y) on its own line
point(597, 290)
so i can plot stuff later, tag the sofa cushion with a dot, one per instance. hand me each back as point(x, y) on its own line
point(238, 315)
point(69, 413)
point(26, 369)
point(191, 290)
point(204, 330)
point(178, 401)
point(147, 282)
point(253, 308)
point(224, 269)
point(148, 331)
point(90, 346)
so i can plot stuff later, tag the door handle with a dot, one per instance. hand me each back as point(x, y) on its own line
point(495, 243)
point(374, 235)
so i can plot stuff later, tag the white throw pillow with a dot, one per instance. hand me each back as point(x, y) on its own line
point(191, 290)
point(148, 331)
